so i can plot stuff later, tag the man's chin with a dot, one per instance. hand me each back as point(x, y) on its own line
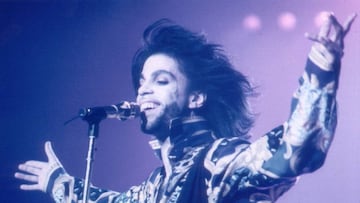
point(148, 127)
point(156, 129)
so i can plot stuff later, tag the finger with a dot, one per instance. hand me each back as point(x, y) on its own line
point(338, 29)
point(29, 169)
point(311, 37)
point(36, 164)
point(50, 153)
point(325, 27)
point(30, 187)
point(348, 23)
point(30, 178)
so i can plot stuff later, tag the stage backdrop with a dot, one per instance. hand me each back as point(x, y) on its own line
point(57, 57)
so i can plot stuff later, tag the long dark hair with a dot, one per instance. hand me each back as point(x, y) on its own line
point(208, 70)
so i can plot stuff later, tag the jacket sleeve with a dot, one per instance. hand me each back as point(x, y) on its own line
point(68, 189)
point(268, 167)
point(306, 137)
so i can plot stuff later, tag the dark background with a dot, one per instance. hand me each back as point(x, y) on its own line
point(58, 57)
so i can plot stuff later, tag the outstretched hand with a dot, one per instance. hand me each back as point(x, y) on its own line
point(37, 173)
point(330, 39)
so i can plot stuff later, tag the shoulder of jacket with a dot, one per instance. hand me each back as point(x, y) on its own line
point(226, 148)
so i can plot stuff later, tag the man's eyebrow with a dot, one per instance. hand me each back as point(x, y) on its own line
point(159, 72)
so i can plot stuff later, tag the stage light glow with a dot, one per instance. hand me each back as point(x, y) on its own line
point(287, 21)
point(252, 23)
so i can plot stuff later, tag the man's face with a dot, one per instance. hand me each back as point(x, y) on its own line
point(162, 94)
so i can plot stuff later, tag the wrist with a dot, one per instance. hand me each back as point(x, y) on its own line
point(53, 176)
point(323, 58)
point(323, 77)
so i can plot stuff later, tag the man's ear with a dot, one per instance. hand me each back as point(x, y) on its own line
point(196, 100)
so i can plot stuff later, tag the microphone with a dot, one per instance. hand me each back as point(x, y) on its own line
point(123, 111)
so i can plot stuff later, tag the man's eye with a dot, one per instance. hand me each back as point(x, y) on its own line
point(162, 81)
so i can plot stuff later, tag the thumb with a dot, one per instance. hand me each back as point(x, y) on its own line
point(348, 22)
point(50, 153)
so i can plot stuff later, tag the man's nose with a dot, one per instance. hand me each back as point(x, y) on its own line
point(145, 89)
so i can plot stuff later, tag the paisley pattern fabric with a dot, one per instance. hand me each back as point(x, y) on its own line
point(200, 167)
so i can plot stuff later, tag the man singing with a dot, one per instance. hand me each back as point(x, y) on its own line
point(195, 105)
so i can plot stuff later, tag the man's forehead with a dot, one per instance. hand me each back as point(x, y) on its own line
point(160, 63)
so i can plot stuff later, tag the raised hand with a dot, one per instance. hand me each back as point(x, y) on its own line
point(38, 173)
point(329, 42)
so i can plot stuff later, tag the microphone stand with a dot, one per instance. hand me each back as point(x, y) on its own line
point(93, 133)
point(93, 116)
point(93, 119)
